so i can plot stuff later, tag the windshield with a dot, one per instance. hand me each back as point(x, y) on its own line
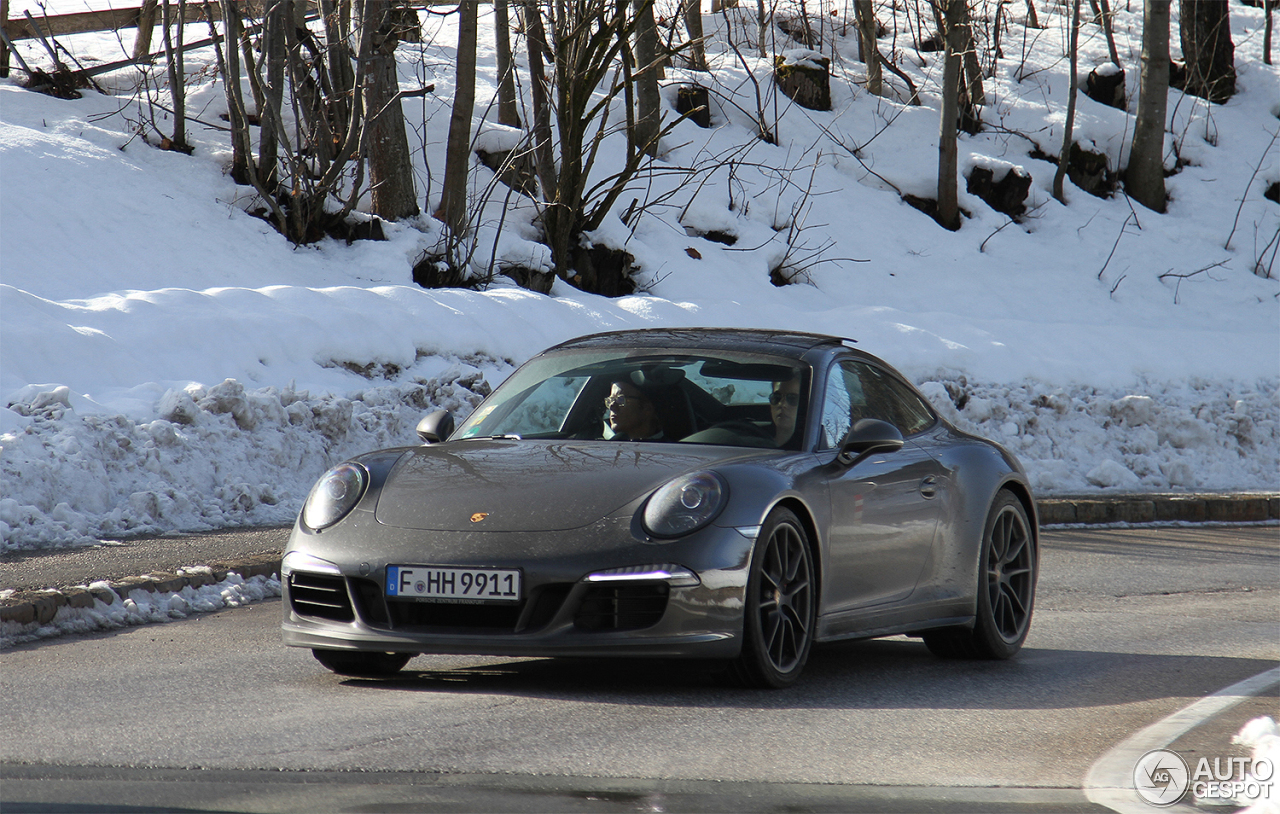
point(689, 397)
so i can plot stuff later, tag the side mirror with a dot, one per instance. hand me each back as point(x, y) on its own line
point(867, 436)
point(435, 427)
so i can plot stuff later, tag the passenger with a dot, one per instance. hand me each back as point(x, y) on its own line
point(784, 404)
point(632, 416)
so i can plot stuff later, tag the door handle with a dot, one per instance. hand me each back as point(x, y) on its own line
point(929, 487)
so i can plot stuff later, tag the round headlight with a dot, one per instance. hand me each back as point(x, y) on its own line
point(685, 504)
point(334, 495)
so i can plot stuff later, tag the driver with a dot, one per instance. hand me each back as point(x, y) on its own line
point(632, 415)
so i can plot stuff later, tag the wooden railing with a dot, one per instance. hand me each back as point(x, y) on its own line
point(32, 27)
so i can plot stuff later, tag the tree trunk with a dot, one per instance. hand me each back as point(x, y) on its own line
point(1109, 31)
point(1068, 137)
point(1144, 177)
point(453, 201)
point(386, 144)
point(536, 44)
point(241, 140)
point(1205, 29)
point(975, 94)
point(948, 197)
point(762, 23)
point(1267, 5)
point(275, 54)
point(508, 110)
point(146, 29)
point(866, 15)
point(177, 74)
point(693, 24)
point(648, 99)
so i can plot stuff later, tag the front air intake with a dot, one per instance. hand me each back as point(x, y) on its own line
point(320, 595)
point(621, 606)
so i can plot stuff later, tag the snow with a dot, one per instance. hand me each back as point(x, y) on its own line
point(142, 607)
point(169, 363)
point(1262, 737)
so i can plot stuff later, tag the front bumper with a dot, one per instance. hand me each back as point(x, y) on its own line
point(334, 595)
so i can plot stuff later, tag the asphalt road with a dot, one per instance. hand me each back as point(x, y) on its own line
point(213, 714)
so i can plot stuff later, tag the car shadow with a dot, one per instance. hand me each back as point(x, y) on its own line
point(896, 673)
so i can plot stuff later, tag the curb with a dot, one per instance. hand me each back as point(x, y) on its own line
point(1091, 510)
point(41, 606)
point(25, 607)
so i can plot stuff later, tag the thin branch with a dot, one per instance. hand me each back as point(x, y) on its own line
point(1245, 196)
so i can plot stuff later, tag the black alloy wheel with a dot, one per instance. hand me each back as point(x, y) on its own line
point(361, 662)
point(1006, 589)
point(781, 608)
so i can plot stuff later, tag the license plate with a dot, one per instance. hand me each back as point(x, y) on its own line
point(453, 584)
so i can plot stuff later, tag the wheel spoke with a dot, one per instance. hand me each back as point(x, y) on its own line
point(1000, 538)
point(1015, 551)
point(1015, 602)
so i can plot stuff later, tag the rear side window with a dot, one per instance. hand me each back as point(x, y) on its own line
point(857, 390)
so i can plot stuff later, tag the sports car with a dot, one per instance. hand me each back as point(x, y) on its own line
point(736, 496)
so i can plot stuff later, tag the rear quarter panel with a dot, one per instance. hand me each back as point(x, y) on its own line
point(977, 470)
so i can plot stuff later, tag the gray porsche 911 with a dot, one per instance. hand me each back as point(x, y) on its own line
point(736, 495)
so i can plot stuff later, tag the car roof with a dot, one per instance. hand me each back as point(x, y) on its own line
point(750, 340)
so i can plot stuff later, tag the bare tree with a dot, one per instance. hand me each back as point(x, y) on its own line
point(648, 99)
point(867, 25)
point(508, 111)
point(146, 29)
point(589, 36)
point(1267, 6)
point(173, 34)
point(453, 202)
point(953, 17)
point(242, 170)
point(390, 165)
point(1144, 177)
point(316, 172)
point(693, 24)
point(536, 41)
point(1068, 137)
point(275, 53)
point(1205, 29)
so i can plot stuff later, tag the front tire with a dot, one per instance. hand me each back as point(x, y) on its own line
point(781, 608)
point(1006, 589)
point(361, 663)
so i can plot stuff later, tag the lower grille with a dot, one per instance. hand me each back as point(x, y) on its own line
point(531, 614)
point(622, 607)
point(443, 617)
point(320, 595)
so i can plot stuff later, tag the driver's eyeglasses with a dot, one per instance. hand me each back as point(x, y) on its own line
point(613, 402)
point(777, 397)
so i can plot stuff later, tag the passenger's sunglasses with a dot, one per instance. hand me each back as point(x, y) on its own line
point(777, 397)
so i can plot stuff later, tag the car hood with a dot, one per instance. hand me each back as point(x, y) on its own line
point(526, 485)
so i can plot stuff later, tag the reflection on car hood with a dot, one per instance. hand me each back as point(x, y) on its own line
point(529, 485)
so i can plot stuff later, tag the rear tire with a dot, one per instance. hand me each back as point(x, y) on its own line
point(361, 662)
point(1006, 589)
point(780, 613)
